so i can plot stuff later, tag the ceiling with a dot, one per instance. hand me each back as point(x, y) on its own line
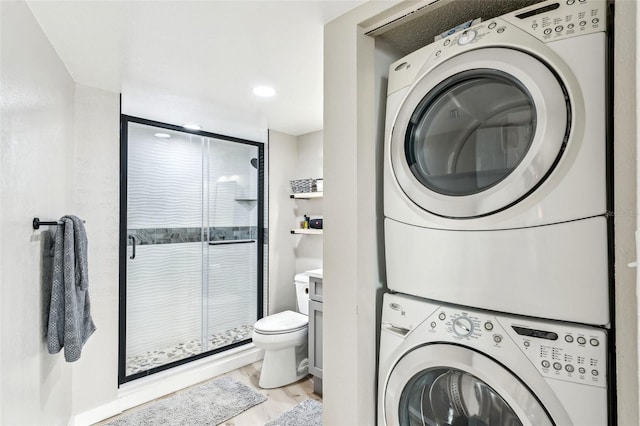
point(212, 51)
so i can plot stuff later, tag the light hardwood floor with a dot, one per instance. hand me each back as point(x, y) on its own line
point(278, 400)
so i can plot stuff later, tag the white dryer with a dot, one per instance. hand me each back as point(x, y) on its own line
point(495, 170)
point(445, 365)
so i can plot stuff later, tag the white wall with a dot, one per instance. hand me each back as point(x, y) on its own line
point(96, 189)
point(625, 208)
point(352, 251)
point(59, 156)
point(291, 157)
point(308, 249)
point(37, 126)
point(309, 156)
point(282, 164)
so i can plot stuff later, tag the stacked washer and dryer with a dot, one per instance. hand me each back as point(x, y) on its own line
point(496, 225)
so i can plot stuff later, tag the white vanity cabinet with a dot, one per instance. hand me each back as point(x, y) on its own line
point(315, 331)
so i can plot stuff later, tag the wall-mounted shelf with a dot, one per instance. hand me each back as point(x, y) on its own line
point(307, 231)
point(306, 195)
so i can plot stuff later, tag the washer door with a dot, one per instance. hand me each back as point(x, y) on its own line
point(449, 385)
point(479, 132)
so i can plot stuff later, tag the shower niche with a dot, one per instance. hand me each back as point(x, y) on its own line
point(191, 245)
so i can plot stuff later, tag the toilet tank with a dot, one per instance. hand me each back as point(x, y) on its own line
point(301, 282)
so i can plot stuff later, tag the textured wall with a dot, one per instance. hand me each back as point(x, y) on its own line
point(308, 165)
point(282, 164)
point(95, 198)
point(625, 147)
point(309, 159)
point(164, 294)
point(351, 209)
point(35, 169)
point(164, 179)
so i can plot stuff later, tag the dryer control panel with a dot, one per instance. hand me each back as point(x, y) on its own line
point(553, 20)
point(548, 21)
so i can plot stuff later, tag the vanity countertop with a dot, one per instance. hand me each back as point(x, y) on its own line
point(316, 273)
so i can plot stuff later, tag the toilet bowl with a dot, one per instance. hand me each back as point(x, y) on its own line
point(284, 338)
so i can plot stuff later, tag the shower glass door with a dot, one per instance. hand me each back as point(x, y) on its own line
point(191, 249)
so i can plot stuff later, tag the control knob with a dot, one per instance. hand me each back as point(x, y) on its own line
point(467, 37)
point(463, 326)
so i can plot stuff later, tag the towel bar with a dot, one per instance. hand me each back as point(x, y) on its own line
point(220, 242)
point(37, 222)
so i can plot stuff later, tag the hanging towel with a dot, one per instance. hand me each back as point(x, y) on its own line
point(70, 323)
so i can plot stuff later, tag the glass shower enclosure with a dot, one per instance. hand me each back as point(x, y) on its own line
point(191, 245)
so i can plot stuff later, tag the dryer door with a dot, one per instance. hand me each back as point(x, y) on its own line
point(448, 385)
point(479, 132)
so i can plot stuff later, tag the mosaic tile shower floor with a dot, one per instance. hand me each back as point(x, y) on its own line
point(158, 357)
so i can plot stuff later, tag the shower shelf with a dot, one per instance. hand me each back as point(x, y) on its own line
point(307, 231)
point(306, 195)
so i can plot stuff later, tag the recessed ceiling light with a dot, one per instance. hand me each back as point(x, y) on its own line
point(191, 126)
point(264, 91)
point(162, 135)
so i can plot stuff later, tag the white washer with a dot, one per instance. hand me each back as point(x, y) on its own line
point(501, 130)
point(447, 365)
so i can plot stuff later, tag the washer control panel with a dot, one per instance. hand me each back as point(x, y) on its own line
point(557, 350)
point(566, 352)
point(460, 324)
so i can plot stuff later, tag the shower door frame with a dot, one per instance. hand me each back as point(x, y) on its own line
point(123, 239)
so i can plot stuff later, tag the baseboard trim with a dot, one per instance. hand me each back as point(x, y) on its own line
point(164, 383)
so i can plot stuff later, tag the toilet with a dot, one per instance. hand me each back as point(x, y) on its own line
point(283, 336)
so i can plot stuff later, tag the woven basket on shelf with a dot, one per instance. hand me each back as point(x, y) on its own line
point(303, 185)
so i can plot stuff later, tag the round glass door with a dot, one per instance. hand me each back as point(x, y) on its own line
point(470, 132)
point(479, 133)
point(451, 397)
point(442, 384)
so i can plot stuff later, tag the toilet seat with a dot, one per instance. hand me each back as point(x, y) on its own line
point(281, 323)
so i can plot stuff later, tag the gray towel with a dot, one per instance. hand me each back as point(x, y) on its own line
point(70, 323)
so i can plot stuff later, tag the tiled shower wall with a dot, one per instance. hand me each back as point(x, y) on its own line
point(165, 185)
point(165, 293)
point(167, 202)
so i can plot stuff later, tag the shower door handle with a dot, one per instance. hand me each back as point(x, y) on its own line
point(133, 247)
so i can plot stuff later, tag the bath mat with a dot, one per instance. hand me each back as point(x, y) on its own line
point(211, 403)
point(307, 413)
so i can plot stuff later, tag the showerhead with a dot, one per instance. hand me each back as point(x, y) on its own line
point(254, 163)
